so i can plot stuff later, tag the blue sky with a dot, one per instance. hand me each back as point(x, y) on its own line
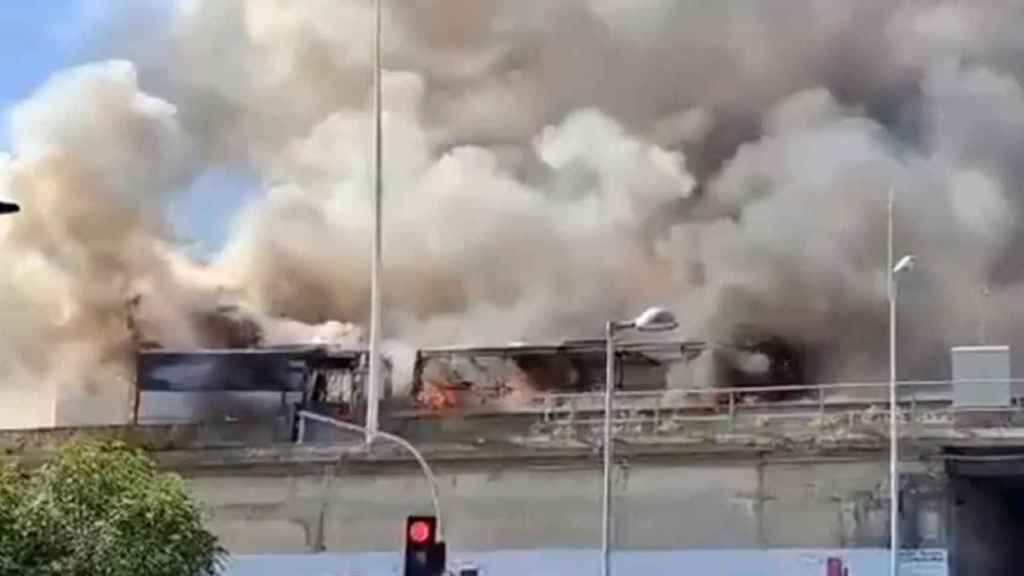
point(35, 41)
point(40, 37)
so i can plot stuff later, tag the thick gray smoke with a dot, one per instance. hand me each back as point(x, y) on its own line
point(548, 165)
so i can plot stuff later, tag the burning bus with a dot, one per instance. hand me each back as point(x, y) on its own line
point(514, 377)
point(257, 384)
point(508, 378)
point(238, 377)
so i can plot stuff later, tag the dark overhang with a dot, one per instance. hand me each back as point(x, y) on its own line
point(573, 347)
point(237, 370)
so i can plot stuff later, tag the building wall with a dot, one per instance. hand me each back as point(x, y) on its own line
point(27, 404)
point(833, 504)
point(24, 408)
point(986, 520)
point(109, 404)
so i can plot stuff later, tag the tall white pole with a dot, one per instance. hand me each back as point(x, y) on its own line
point(606, 508)
point(894, 487)
point(374, 378)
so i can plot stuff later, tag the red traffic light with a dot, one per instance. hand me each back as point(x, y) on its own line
point(420, 532)
point(424, 555)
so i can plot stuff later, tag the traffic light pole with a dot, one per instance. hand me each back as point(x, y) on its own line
point(303, 415)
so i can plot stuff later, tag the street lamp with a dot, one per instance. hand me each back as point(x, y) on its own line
point(9, 208)
point(905, 264)
point(652, 320)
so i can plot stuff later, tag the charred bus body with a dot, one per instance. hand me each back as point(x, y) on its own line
point(512, 377)
point(239, 384)
point(508, 377)
point(251, 383)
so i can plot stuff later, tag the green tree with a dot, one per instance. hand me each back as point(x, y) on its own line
point(14, 547)
point(101, 510)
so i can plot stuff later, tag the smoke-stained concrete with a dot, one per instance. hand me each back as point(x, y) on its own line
point(673, 504)
point(541, 163)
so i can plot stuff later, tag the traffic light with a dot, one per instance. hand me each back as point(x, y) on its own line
point(424, 555)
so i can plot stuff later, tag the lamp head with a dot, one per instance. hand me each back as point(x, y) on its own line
point(905, 264)
point(655, 319)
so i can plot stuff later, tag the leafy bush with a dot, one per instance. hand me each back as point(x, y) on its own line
point(101, 510)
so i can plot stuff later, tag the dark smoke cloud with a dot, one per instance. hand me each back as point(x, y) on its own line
point(550, 165)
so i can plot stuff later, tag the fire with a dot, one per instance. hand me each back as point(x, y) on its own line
point(438, 396)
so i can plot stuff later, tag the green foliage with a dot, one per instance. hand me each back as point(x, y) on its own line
point(13, 544)
point(101, 510)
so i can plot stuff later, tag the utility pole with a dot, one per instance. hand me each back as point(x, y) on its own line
point(894, 489)
point(374, 376)
point(606, 493)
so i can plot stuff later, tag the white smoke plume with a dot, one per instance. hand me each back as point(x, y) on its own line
point(548, 165)
point(95, 158)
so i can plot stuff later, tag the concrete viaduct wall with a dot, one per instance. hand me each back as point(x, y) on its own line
point(808, 488)
point(506, 503)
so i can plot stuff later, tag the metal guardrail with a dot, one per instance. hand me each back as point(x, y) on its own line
point(924, 402)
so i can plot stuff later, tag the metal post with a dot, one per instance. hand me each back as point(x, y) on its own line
point(732, 411)
point(609, 388)
point(894, 489)
point(373, 384)
point(137, 392)
point(983, 314)
point(652, 320)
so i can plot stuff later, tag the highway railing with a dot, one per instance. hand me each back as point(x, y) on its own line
point(841, 404)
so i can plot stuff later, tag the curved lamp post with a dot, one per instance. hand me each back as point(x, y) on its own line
point(428, 473)
point(652, 320)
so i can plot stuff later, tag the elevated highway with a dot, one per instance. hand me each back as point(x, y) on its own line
point(807, 473)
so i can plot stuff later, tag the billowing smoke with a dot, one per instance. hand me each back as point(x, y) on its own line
point(548, 165)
